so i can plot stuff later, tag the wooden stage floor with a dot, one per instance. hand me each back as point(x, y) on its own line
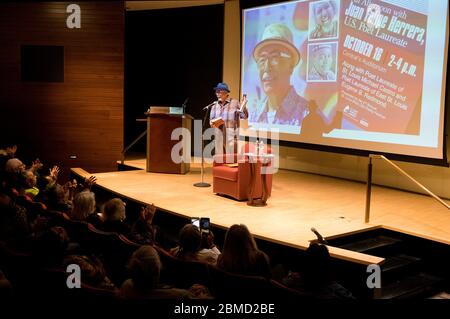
point(299, 201)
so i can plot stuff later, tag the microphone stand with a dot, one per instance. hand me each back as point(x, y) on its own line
point(203, 183)
point(184, 104)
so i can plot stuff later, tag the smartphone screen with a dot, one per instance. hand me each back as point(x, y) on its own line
point(204, 224)
point(195, 221)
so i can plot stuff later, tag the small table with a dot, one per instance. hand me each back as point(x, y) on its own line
point(254, 160)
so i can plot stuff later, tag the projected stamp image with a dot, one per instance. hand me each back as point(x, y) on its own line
point(322, 62)
point(323, 20)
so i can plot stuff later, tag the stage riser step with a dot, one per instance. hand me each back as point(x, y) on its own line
point(400, 266)
point(417, 286)
point(372, 244)
point(400, 261)
point(124, 167)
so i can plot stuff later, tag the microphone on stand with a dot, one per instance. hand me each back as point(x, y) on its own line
point(184, 104)
point(208, 106)
point(319, 236)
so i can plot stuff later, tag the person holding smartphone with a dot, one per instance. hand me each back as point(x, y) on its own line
point(190, 246)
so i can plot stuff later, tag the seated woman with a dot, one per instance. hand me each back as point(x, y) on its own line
point(144, 268)
point(189, 249)
point(142, 231)
point(241, 255)
point(84, 208)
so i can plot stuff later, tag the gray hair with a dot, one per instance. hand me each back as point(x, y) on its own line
point(114, 209)
point(83, 205)
point(14, 165)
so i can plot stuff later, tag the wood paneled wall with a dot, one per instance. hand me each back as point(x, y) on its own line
point(83, 116)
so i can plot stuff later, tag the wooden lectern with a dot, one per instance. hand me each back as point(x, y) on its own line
point(160, 124)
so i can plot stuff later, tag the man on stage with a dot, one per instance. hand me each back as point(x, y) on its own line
point(224, 117)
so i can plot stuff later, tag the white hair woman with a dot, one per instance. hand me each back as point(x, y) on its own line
point(84, 208)
point(83, 205)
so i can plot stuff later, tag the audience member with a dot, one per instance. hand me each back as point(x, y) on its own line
point(114, 215)
point(14, 165)
point(143, 231)
point(84, 208)
point(57, 200)
point(145, 268)
point(189, 248)
point(30, 184)
point(241, 255)
point(92, 271)
point(13, 173)
point(207, 246)
point(52, 246)
point(14, 224)
point(315, 276)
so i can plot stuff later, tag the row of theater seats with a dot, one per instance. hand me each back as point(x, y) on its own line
point(115, 250)
point(29, 281)
point(222, 284)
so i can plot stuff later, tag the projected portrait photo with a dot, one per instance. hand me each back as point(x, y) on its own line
point(276, 57)
point(323, 19)
point(322, 63)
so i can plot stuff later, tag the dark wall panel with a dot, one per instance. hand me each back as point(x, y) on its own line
point(81, 116)
point(171, 54)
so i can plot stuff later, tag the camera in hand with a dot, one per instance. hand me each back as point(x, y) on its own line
point(204, 224)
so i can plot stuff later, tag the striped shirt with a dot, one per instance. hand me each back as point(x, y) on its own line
point(229, 112)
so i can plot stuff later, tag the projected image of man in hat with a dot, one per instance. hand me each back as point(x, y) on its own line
point(320, 67)
point(276, 56)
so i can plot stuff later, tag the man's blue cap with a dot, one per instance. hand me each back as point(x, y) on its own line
point(221, 86)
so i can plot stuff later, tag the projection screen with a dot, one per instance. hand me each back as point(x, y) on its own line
point(357, 74)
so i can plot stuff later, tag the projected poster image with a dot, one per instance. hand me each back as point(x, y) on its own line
point(323, 20)
point(382, 64)
point(322, 62)
point(348, 73)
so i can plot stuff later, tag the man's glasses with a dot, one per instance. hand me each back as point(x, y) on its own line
point(274, 58)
